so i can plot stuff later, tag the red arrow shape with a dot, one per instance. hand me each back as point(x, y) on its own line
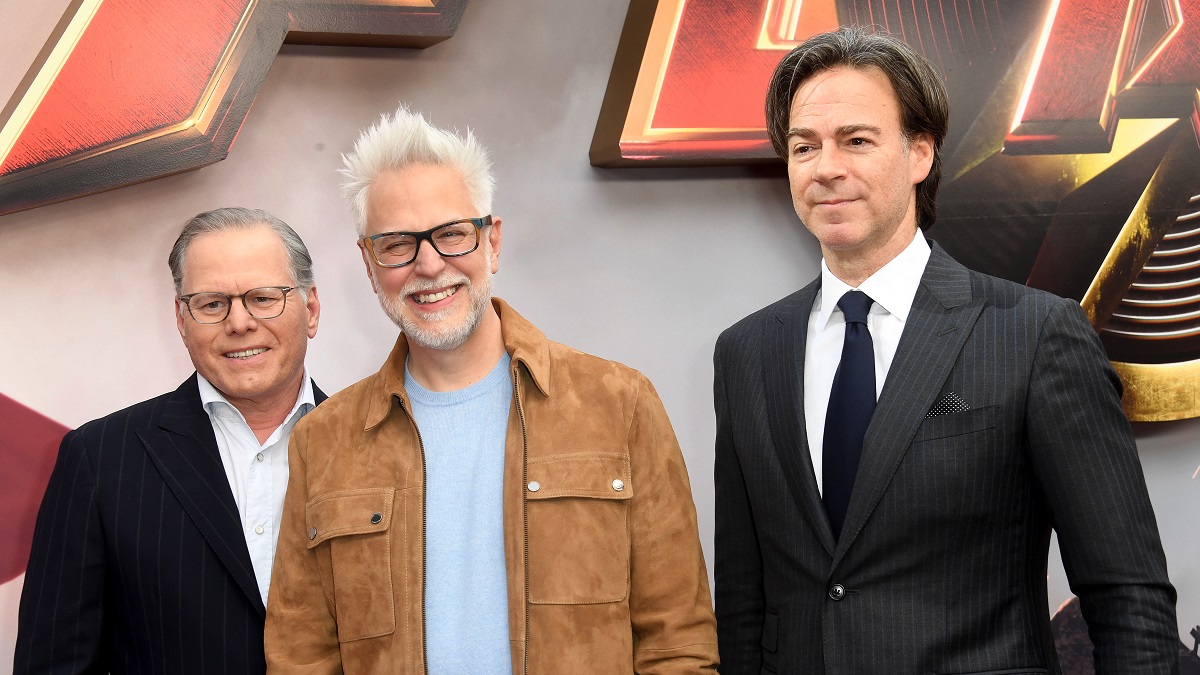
point(28, 447)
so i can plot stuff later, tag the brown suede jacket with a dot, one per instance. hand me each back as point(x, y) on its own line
point(605, 571)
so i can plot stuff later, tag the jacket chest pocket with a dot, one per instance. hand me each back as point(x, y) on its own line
point(354, 525)
point(578, 536)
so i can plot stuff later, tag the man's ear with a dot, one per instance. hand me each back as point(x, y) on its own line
point(180, 319)
point(920, 157)
point(313, 309)
point(494, 236)
point(366, 258)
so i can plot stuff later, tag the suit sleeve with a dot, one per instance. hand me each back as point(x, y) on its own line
point(670, 606)
point(1084, 453)
point(739, 575)
point(301, 630)
point(61, 622)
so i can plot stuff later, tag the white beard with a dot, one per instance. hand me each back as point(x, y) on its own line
point(437, 332)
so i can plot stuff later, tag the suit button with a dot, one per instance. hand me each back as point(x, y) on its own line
point(837, 592)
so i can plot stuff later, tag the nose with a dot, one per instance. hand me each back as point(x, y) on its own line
point(829, 164)
point(428, 263)
point(239, 320)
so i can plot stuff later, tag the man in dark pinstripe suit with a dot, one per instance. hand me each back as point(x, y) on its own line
point(907, 532)
point(154, 543)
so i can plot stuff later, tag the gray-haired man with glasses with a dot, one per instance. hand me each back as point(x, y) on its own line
point(155, 540)
point(490, 502)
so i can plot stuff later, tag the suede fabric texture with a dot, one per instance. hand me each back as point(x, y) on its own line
point(605, 570)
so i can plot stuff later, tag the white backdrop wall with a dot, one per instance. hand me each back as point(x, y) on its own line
point(645, 266)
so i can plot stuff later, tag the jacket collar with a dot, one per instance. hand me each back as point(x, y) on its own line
point(525, 344)
point(180, 442)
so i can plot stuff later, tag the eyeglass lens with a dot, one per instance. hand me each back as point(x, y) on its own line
point(449, 239)
point(261, 303)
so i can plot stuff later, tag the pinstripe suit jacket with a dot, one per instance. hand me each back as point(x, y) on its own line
point(139, 564)
point(941, 566)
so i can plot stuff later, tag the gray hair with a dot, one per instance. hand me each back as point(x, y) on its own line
point(924, 104)
point(237, 218)
point(405, 139)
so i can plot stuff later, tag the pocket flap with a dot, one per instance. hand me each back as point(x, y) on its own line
point(336, 514)
point(958, 423)
point(592, 474)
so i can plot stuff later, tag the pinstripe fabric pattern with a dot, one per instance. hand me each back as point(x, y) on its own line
point(139, 564)
point(942, 559)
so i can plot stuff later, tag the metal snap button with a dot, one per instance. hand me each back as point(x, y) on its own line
point(618, 485)
point(312, 533)
point(837, 592)
point(534, 486)
point(376, 518)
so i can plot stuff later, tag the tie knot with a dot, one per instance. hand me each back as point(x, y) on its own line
point(855, 305)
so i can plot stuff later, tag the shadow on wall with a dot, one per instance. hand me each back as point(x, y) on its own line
point(1075, 649)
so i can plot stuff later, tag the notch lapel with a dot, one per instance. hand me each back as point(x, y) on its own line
point(938, 324)
point(183, 448)
point(785, 340)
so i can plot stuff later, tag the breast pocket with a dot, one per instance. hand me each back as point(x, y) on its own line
point(957, 423)
point(355, 525)
point(578, 537)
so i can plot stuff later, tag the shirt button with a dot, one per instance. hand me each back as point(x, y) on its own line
point(312, 533)
point(258, 530)
point(618, 485)
point(534, 486)
point(837, 592)
point(259, 457)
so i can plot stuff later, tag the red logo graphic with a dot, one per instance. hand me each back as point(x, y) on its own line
point(1099, 61)
point(130, 90)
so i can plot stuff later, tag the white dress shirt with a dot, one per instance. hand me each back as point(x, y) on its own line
point(257, 472)
point(892, 288)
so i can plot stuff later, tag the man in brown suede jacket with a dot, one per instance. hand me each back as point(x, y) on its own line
point(489, 501)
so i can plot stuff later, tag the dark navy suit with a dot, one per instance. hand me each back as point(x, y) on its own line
point(139, 564)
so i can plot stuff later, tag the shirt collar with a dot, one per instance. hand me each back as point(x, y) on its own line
point(216, 404)
point(892, 287)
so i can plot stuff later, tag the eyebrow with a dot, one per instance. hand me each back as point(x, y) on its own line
point(844, 130)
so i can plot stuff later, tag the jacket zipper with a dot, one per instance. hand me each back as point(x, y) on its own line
point(424, 488)
point(524, 507)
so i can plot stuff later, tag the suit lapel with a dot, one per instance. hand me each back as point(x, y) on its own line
point(183, 448)
point(938, 324)
point(783, 376)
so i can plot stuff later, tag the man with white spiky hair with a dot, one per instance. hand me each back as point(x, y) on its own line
point(489, 501)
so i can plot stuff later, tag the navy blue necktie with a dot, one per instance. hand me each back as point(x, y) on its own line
point(851, 404)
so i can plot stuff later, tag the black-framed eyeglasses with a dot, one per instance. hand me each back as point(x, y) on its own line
point(450, 240)
point(267, 302)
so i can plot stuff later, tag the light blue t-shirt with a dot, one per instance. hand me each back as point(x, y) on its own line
point(466, 589)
